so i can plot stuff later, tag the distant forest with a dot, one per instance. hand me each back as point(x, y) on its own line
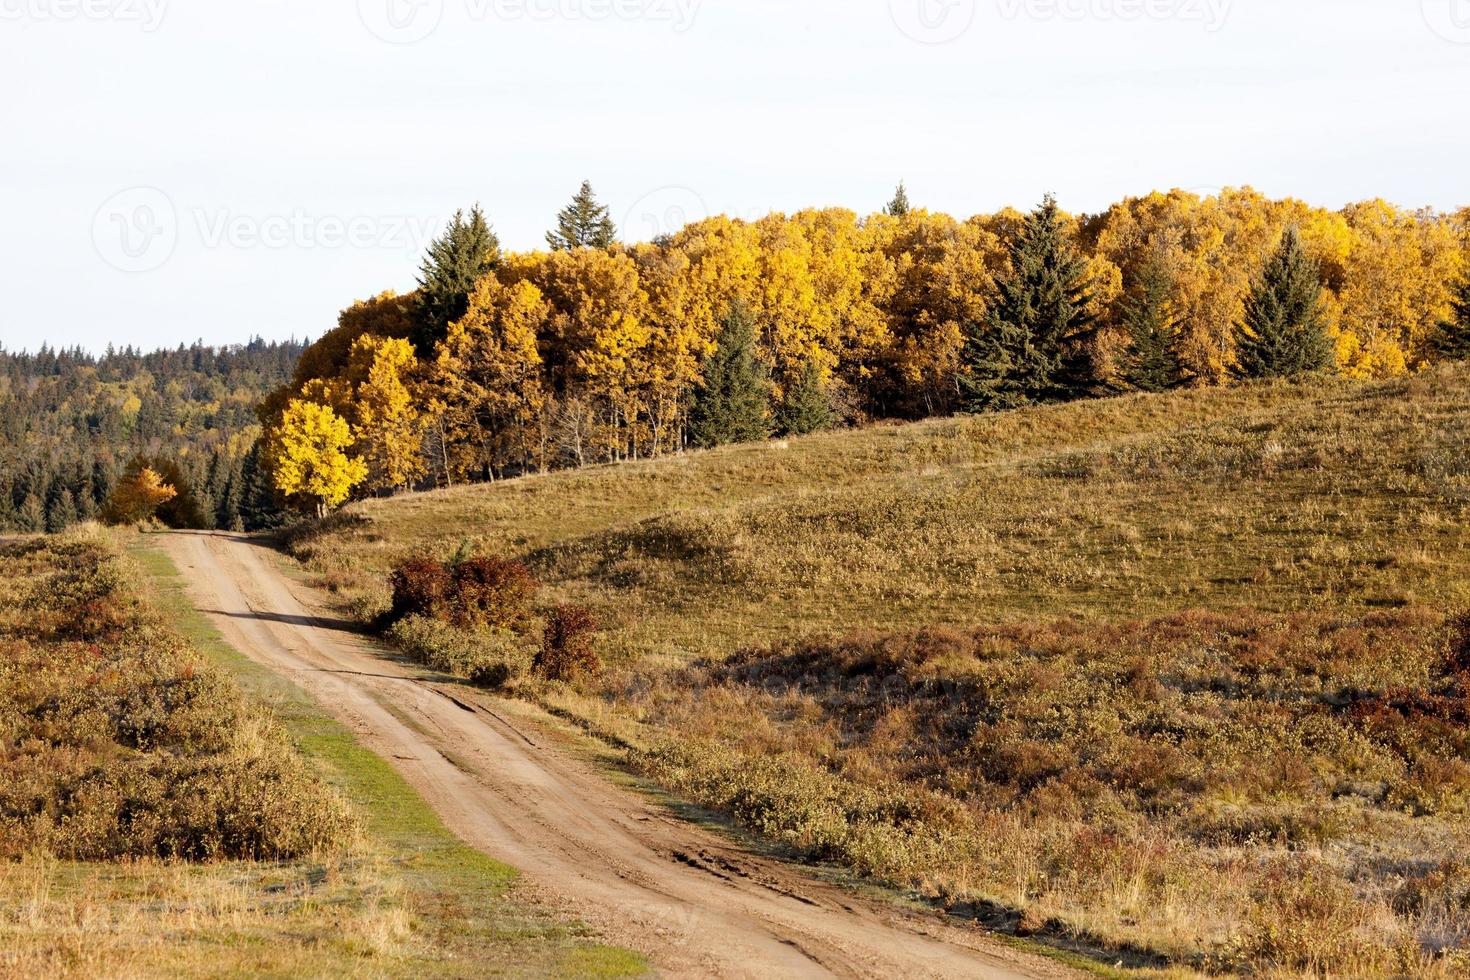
point(72, 423)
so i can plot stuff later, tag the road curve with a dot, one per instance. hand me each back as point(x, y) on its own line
point(695, 904)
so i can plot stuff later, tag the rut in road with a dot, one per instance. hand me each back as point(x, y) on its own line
point(694, 903)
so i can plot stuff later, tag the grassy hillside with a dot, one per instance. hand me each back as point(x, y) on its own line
point(169, 809)
point(1169, 674)
point(1322, 494)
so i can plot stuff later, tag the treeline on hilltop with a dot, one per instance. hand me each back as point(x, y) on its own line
point(74, 426)
point(598, 351)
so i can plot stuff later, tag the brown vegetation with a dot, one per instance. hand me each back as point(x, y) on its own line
point(118, 741)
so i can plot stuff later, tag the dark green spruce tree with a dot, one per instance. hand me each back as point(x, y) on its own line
point(227, 515)
point(584, 223)
point(1035, 342)
point(1151, 361)
point(733, 402)
point(1452, 341)
point(1283, 332)
point(899, 206)
point(805, 405)
point(258, 508)
point(456, 260)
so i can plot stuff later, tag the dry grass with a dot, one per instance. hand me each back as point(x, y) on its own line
point(1319, 495)
point(1165, 785)
point(1339, 500)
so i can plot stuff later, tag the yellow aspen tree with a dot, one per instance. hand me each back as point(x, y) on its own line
point(388, 423)
point(941, 280)
point(488, 378)
point(601, 329)
point(1397, 286)
point(308, 454)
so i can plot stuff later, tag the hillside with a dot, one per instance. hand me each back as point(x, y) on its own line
point(1318, 494)
point(1176, 678)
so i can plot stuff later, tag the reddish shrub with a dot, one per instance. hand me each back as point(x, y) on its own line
point(566, 646)
point(493, 592)
point(421, 587)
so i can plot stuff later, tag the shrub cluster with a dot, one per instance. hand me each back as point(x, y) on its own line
point(469, 616)
point(119, 741)
point(476, 593)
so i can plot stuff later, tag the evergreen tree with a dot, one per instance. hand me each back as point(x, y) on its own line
point(733, 401)
point(258, 508)
point(104, 479)
point(582, 224)
point(1151, 361)
point(1283, 332)
point(899, 206)
point(1452, 342)
point(62, 512)
point(805, 406)
point(1034, 344)
point(457, 260)
point(31, 518)
point(227, 514)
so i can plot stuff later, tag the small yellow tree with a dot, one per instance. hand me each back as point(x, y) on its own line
point(308, 455)
point(137, 497)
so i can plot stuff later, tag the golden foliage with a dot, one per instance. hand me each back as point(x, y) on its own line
point(308, 455)
point(137, 497)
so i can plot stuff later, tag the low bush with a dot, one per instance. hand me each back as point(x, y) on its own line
point(421, 587)
point(566, 644)
point(493, 593)
point(488, 659)
point(474, 594)
point(119, 741)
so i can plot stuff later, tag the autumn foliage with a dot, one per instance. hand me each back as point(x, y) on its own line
point(566, 645)
point(586, 354)
point(138, 496)
point(475, 593)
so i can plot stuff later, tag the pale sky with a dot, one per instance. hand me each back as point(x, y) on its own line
point(180, 169)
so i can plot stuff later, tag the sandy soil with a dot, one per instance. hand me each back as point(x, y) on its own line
point(693, 902)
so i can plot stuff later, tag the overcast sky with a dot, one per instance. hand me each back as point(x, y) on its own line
point(180, 169)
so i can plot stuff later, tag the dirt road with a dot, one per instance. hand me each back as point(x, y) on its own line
point(697, 905)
